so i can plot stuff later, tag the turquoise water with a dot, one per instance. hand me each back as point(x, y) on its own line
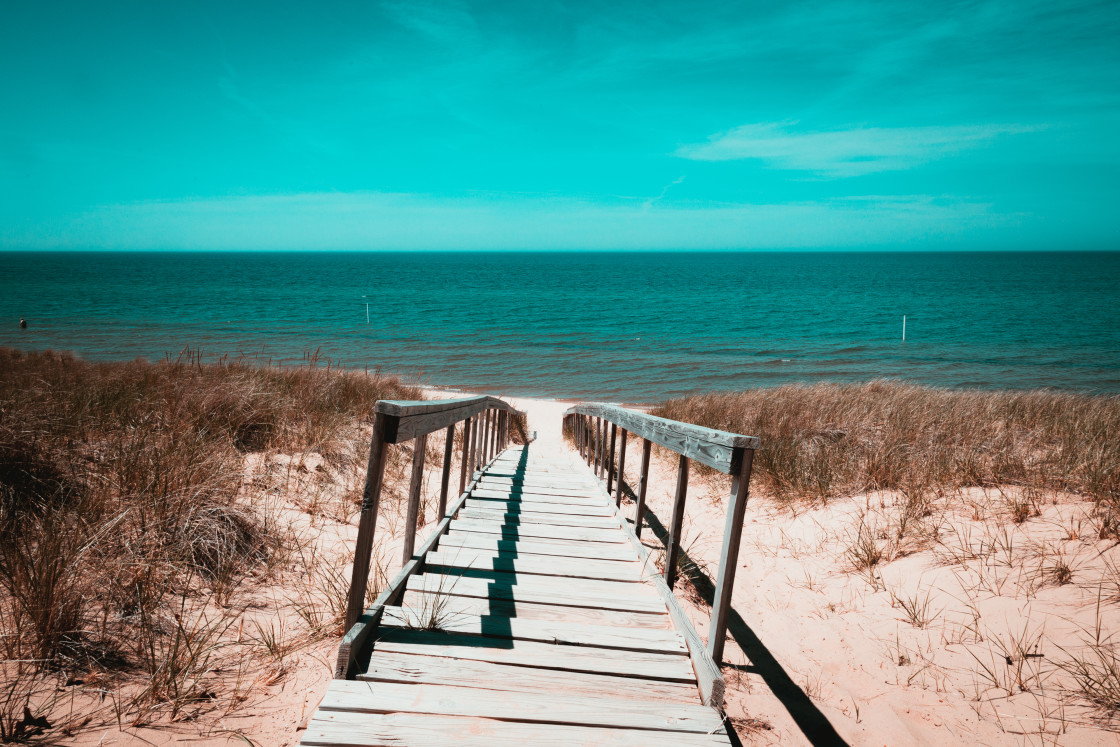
point(634, 327)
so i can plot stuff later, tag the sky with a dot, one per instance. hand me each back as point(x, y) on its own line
point(557, 125)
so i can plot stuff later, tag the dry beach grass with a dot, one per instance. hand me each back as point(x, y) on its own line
point(925, 564)
point(155, 519)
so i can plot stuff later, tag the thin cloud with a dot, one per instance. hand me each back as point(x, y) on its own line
point(844, 153)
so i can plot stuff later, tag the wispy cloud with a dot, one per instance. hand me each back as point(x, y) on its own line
point(844, 153)
point(372, 220)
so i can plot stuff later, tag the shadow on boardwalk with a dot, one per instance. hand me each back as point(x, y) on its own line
point(813, 724)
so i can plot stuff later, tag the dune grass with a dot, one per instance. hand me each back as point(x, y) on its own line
point(120, 518)
point(826, 440)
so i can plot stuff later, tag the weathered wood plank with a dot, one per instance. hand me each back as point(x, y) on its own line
point(454, 604)
point(409, 419)
point(514, 518)
point(544, 631)
point(494, 500)
point(576, 568)
point(528, 590)
point(592, 550)
point(345, 729)
point(444, 700)
point(435, 670)
point(718, 449)
point(670, 667)
point(537, 530)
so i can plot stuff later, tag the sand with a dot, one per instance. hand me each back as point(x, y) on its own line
point(956, 636)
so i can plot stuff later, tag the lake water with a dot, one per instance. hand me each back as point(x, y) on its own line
point(634, 327)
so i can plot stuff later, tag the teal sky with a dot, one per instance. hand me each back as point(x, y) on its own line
point(977, 125)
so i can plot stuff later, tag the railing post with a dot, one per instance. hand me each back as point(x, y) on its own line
point(491, 422)
point(729, 557)
point(643, 483)
point(474, 445)
point(621, 469)
point(601, 452)
point(445, 478)
point(672, 549)
point(610, 458)
point(414, 497)
point(466, 455)
point(367, 522)
point(586, 438)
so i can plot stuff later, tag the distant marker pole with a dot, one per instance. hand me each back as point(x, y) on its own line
point(903, 325)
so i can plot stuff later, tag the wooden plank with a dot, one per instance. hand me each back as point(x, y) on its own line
point(552, 708)
point(718, 449)
point(540, 531)
point(728, 558)
point(709, 677)
point(576, 568)
point(434, 670)
point(671, 667)
point(518, 518)
point(586, 506)
point(454, 604)
point(528, 591)
point(346, 729)
point(409, 419)
point(676, 525)
point(445, 474)
point(414, 486)
point(544, 631)
point(493, 543)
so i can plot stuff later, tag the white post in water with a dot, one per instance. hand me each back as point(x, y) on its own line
point(903, 325)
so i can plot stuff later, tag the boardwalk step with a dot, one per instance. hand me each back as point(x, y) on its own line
point(493, 543)
point(546, 631)
point(538, 593)
point(611, 570)
point(593, 534)
point(454, 604)
point(347, 729)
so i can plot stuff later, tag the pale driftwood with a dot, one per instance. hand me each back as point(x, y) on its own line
point(729, 557)
point(671, 667)
point(545, 631)
point(718, 449)
point(552, 708)
point(432, 670)
point(453, 604)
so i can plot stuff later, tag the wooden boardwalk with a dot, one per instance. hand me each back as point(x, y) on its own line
point(534, 621)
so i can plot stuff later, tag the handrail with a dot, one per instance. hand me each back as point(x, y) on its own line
point(486, 432)
point(595, 430)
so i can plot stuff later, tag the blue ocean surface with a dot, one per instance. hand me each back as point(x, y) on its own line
point(630, 327)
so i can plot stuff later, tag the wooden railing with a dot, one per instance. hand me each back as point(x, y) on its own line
point(486, 432)
point(598, 428)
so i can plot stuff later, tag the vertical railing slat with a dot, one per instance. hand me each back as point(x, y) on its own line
point(445, 478)
point(643, 484)
point(621, 469)
point(673, 548)
point(466, 455)
point(414, 498)
point(610, 458)
point(367, 521)
point(729, 556)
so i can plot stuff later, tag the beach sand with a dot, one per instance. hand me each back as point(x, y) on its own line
point(954, 641)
